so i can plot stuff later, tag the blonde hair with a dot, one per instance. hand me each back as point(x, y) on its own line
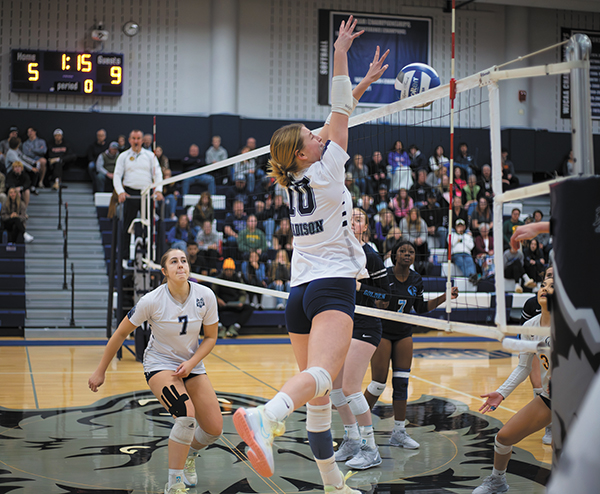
point(417, 222)
point(274, 263)
point(18, 164)
point(285, 142)
point(366, 235)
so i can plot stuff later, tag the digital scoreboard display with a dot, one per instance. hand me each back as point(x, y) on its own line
point(66, 72)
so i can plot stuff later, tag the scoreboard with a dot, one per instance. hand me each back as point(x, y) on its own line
point(66, 72)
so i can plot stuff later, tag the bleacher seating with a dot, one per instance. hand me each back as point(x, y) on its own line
point(12, 290)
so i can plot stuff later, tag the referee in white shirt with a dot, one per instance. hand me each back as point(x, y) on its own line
point(136, 168)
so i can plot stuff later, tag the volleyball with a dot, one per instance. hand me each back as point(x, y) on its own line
point(416, 78)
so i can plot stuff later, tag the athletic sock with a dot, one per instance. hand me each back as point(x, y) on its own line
point(352, 431)
point(193, 452)
point(367, 435)
point(280, 407)
point(399, 425)
point(330, 472)
point(175, 476)
point(497, 473)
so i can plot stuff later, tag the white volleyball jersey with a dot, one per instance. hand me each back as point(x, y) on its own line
point(175, 327)
point(526, 360)
point(320, 217)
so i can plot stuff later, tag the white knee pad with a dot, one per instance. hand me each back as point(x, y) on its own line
point(500, 448)
point(204, 437)
point(318, 417)
point(375, 388)
point(338, 398)
point(183, 430)
point(322, 380)
point(358, 404)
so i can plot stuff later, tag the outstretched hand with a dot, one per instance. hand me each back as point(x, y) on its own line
point(346, 35)
point(493, 401)
point(376, 67)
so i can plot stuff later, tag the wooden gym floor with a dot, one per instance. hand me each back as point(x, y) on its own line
point(56, 436)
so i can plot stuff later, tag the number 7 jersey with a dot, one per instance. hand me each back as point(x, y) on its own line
point(175, 327)
point(320, 218)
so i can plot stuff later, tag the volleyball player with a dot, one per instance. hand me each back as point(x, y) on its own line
point(532, 417)
point(176, 311)
point(406, 288)
point(327, 261)
point(358, 447)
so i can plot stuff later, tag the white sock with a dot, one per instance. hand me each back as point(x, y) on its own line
point(399, 425)
point(497, 473)
point(526, 278)
point(193, 452)
point(175, 476)
point(330, 473)
point(367, 435)
point(280, 407)
point(352, 431)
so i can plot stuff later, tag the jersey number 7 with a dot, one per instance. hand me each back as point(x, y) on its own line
point(184, 320)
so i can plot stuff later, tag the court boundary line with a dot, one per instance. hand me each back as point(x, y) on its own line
point(37, 405)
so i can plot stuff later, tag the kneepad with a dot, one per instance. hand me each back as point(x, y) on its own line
point(500, 448)
point(358, 404)
point(183, 430)
point(204, 437)
point(323, 383)
point(375, 388)
point(338, 398)
point(318, 417)
point(400, 384)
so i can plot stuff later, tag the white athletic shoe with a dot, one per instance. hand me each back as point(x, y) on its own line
point(494, 484)
point(347, 449)
point(366, 458)
point(547, 439)
point(402, 439)
point(258, 432)
point(28, 237)
point(190, 478)
point(345, 489)
point(178, 488)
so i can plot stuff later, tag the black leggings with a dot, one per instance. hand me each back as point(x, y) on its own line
point(15, 229)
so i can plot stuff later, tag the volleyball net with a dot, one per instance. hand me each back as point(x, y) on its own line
point(485, 301)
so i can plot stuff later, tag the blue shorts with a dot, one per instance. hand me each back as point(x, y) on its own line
point(312, 298)
point(367, 329)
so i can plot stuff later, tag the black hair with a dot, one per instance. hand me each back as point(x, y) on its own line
point(399, 244)
point(537, 211)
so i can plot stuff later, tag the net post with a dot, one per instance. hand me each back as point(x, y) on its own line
point(496, 149)
point(579, 47)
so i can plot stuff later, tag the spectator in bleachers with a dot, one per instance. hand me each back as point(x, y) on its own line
point(534, 261)
point(417, 161)
point(247, 168)
point(193, 161)
point(171, 194)
point(438, 160)
point(360, 172)
point(419, 190)
point(399, 171)
point(147, 141)
point(251, 239)
point(514, 270)
point(178, 236)
point(382, 199)
point(544, 239)
point(382, 227)
point(401, 204)
point(106, 163)
point(15, 154)
point(19, 180)
point(458, 212)
point(2, 188)
point(36, 149)
point(235, 222)
point(485, 183)
point(14, 216)
point(283, 238)
point(215, 152)
point(280, 276)
point(378, 169)
point(462, 246)
point(509, 179)
point(434, 178)
point(470, 194)
point(12, 132)
point(459, 182)
point(234, 309)
point(436, 219)
point(208, 243)
point(414, 228)
point(443, 192)
point(163, 161)
point(237, 191)
point(481, 214)
point(122, 142)
point(484, 242)
point(59, 155)
point(567, 166)
point(366, 204)
point(254, 273)
point(466, 161)
point(264, 217)
point(350, 184)
point(195, 260)
point(94, 150)
point(393, 235)
point(280, 209)
point(510, 225)
point(203, 210)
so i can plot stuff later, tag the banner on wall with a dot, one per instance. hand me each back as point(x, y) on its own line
point(407, 38)
point(565, 90)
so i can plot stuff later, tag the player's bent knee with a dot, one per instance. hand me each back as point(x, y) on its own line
point(376, 388)
point(358, 404)
point(338, 398)
point(183, 430)
point(323, 382)
point(318, 417)
point(501, 449)
point(400, 384)
point(204, 437)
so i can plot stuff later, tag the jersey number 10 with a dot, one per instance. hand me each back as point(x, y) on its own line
point(302, 198)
